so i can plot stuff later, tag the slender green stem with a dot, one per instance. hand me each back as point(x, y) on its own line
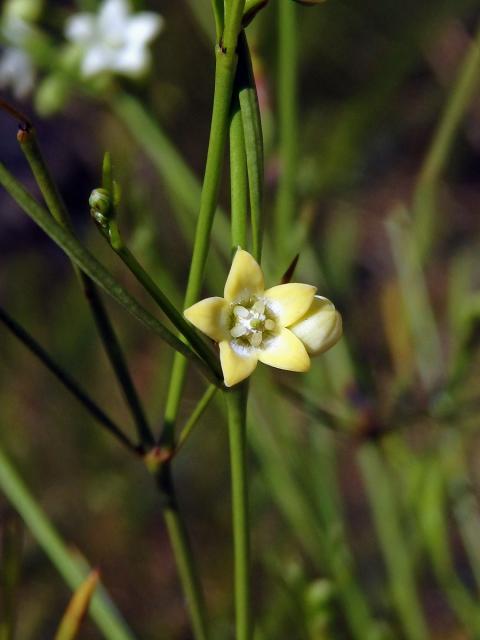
point(200, 346)
point(90, 265)
point(102, 610)
point(420, 315)
point(67, 381)
point(53, 199)
point(56, 206)
point(395, 552)
point(226, 60)
point(252, 127)
point(436, 534)
point(288, 126)
point(173, 169)
point(218, 14)
point(117, 360)
point(226, 63)
point(183, 553)
point(238, 178)
point(236, 406)
point(425, 196)
point(195, 416)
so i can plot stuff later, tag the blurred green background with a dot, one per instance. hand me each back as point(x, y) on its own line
point(364, 474)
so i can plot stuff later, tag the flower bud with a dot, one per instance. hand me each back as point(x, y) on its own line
point(320, 328)
point(100, 206)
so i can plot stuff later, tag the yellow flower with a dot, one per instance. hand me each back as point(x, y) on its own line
point(279, 326)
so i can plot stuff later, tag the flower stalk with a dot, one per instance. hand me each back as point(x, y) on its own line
point(225, 68)
point(236, 400)
point(90, 265)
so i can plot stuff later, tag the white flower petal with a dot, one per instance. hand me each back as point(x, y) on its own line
point(237, 363)
point(143, 27)
point(290, 301)
point(80, 28)
point(97, 59)
point(113, 16)
point(285, 351)
point(131, 60)
point(245, 278)
point(16, 72)
point(114, 40)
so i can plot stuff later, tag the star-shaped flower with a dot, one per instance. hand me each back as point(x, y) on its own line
point(281, 326)
point(114, 40)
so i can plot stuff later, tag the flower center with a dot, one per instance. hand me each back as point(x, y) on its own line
point(251, 322)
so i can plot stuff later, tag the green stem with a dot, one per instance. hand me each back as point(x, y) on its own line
point(398, 561)
point(195, 416)
point(183, 553)
point(98, 414)
point(117, 359)
point(252, 127)
point(236, 406)
point(90, 265)
point(238, 178)
point(55, 204)
point(425, 195)
point(102, 610)
point(226, 63)
point(436, 534)
point(419, 312)
point(168, 308)
point(177, 175)
point(287, 123)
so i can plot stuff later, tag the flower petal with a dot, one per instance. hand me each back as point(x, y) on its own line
point(80, 28)
point(320, 328)
point(285, 351)
point(245, 278)
point(143, 27)
point(113, 16)
point(210, 316)
point(131, 60)
point(237, 363)
point(289, 302)
point(98, 58)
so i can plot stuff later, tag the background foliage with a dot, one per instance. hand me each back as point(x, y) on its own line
point(364, 475)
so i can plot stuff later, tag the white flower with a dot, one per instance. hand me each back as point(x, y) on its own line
point(114, 40)
point(281, 326)
point(16, 72)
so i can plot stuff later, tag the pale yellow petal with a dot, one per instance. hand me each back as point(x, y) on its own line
point(210, 316)
point(245, 278)
point(289, 302)
point(320, 328)
point(237, 362)
point(285, 351)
